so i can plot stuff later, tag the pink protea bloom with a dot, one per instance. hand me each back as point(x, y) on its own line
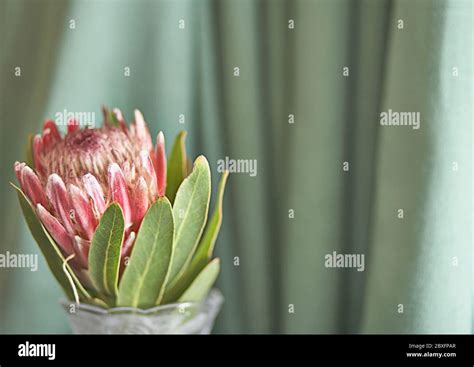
point(75, 178)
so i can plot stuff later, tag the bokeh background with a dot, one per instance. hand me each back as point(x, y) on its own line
point(423, 261)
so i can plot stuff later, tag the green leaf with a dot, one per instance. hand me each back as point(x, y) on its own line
point(109, 117)
point(145, 276)
point(50, 250)
point(204, 250)
point(104, 253)
point(112, 119)
point(177, 166)
point(200, 287)
point(206, 246)
point(29, 152)
point(189, 166)
point(190, 215)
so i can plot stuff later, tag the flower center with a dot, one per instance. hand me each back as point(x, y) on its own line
point(90, 151)
point(86, 140)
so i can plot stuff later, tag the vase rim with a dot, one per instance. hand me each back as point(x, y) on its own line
point(214, 293)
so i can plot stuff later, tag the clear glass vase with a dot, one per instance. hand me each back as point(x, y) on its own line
point(176, 318)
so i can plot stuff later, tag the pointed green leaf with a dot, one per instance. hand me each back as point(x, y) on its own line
point(204, 250)
point(50, 250)
point(190, 215)
point(189, 166)
point(29, 152)
point(145, 276)
point(104, 253)
point(200, 287)
point(112, 119)
point(109, 117)
point(206, 246)
point(177, 166)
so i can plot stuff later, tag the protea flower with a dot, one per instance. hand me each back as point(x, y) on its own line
point(75, 179)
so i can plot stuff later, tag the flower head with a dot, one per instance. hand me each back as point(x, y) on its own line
point(77, 176)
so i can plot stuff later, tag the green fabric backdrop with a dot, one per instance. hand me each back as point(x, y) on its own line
point(409, 261)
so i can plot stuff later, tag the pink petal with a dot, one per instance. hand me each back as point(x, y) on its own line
point(72, 126)
point(55, 228)
point(126, 170)
point(53, 130)
point(142, 133)
point(147, 164)
point(160, 164)
point(83, 211)
point(94, 190)
point(57, 195)
point(37, 150)
point(48, 140)
point(140, 198)
point(119, 192)
point(81, 249)
point(18, 167)
point(31, 185)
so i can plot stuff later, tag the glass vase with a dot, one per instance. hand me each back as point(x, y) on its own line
point(175, 318)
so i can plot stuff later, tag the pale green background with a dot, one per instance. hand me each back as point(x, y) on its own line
point(282, 72)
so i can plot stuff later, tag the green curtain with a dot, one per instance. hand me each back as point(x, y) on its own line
point(400, 55)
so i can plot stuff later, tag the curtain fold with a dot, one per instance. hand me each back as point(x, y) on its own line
point(302, 205)
point(415, 261)
point(30, 37)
